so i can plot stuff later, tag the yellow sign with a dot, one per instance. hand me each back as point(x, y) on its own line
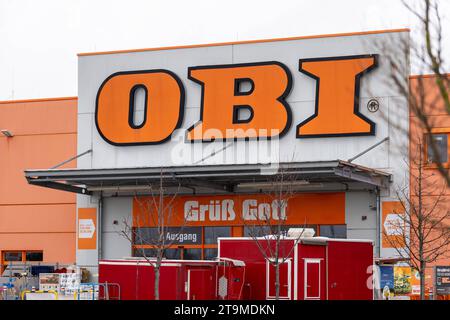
point(402, 280)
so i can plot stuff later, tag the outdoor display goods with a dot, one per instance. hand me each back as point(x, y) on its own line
point(87, 291)
point(316, 268)
point(387, 277)
point(402, 280)
point(49, 281)
point(62, 283)
point(40, 296)
point(442, 280)
point(415, 282)
point(387, 281)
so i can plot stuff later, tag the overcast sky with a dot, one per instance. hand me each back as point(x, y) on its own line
point(40, 38)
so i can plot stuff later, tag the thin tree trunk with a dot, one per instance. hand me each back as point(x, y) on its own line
point(161, 226)
point(421, 232)
point(157, 273)
point(277, 271)
point(156, 283)
point(422, 280)
point(277, 281)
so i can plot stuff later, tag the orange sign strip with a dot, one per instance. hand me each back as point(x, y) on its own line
point(238, 210)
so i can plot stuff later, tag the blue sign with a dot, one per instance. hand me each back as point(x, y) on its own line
point(386, 277)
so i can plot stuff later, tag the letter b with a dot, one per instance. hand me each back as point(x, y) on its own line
point(223, 101)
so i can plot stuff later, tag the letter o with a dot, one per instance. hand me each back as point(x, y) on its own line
point(163, 114)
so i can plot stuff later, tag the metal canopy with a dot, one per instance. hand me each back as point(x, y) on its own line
point(212, 178)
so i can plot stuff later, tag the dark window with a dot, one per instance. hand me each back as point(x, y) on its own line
point(149, 253)
point(441, 143)
point(172, 253)
point(145, 235)
point(13, 256)
point(212, 233)
point(211, 253)
point(192, 254)
point(139, 252)
point(257, 231)
point(333, 231)
point(34, 256)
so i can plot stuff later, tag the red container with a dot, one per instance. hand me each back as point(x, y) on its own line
point(315, 268)
point(179, 279)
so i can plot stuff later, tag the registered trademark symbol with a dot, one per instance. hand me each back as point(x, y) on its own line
point(373, 105)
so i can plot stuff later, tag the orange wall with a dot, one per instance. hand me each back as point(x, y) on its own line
point(439, 118)
point(31, 217)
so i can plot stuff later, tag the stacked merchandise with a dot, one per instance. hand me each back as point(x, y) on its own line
point(65, 284)
point(88, 291)
point(69, 283)
point(49, 282)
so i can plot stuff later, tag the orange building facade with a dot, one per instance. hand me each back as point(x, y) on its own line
point(435, 192)
point(40, 224)
point(36, 224)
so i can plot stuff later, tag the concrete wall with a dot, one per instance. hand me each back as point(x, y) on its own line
point(110, 243)
point(88, 258)
point(115, 245)
point(360, 205)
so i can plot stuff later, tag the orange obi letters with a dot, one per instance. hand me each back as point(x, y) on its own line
point(223, 99)
point(337, 97)
point(238, 101)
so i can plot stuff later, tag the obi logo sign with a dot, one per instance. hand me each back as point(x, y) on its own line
point(238, 102)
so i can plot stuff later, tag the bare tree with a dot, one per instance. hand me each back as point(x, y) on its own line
point(421, 230)
point(268, 230)
point(424, 94)
point(420, 233)
point(157, 211)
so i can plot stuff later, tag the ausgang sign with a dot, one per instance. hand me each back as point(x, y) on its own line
point(227, 91)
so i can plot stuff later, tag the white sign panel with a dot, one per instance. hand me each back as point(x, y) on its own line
point(86, 228)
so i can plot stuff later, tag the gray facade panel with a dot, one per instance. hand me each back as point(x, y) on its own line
point(116, 211)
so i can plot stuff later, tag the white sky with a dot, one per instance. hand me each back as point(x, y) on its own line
point(39, 39)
